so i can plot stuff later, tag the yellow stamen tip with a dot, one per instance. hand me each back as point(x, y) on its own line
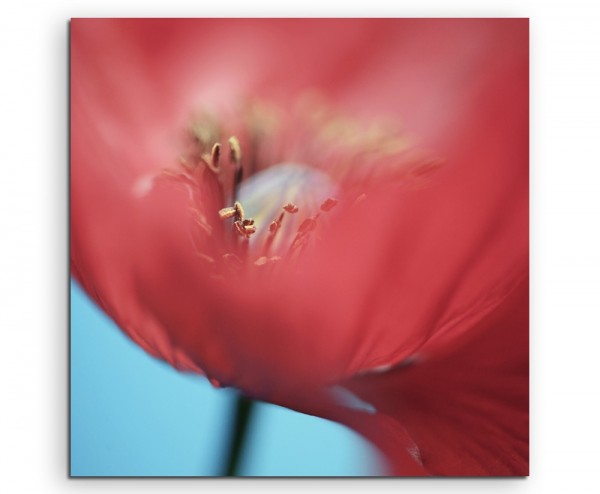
point(240, 210)
point(235, 150)
point(226, 213)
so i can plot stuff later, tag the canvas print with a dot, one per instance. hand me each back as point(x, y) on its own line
point(299, 247)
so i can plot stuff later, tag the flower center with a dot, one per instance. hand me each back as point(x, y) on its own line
point(266, 219)
point(260, 203)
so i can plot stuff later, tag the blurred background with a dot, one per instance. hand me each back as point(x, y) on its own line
point(132, 415)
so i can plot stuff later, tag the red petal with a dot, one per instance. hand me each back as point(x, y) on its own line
point(415, 261)
point(408, 269)
point(465, 405)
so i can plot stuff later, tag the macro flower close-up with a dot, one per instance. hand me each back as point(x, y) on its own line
point(330, 215)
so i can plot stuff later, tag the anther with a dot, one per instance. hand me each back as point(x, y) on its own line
point(226, 213)
point(215, 154)
point(307, 226)
point(235, 151)
point(212, 160)
point(235, 156)
point(290, 208)
point(236, 211)
point(240, 210)
point(239, 228)
point(275, 225)
point(245, 228)
point(328, 204)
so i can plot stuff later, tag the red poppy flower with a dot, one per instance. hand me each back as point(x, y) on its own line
point(395, 299)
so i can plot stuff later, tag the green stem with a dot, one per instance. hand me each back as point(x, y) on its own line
point(240, 422)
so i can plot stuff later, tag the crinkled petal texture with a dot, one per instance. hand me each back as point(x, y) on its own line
point(420, 289)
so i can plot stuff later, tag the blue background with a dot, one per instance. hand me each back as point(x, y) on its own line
point(132, 415)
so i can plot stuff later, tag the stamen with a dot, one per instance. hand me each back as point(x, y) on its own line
point(215, 154)
point(291, 208)
point(237, 212)
point(275, 225)
point(235, 157)
point(240, 210)
point(245, 228)
point(244, 247)
point(266, 172)
point(242, 227)
point(329, 204)
point(310, 224)
point(235, 151)
point(212, 160)
point(227, 213)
